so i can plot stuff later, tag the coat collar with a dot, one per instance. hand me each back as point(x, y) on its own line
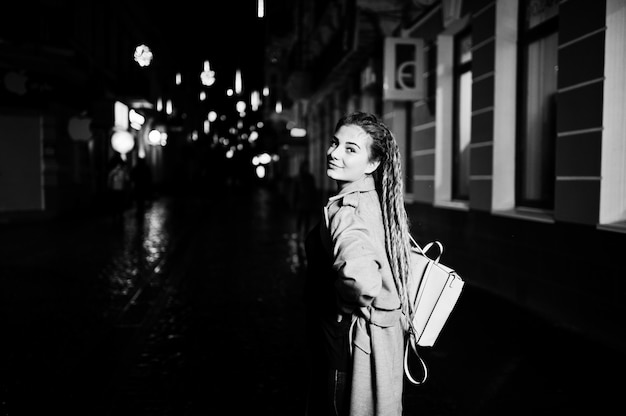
point(362, 185)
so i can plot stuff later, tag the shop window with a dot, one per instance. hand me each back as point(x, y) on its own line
point(535, 154)
point(462, 115)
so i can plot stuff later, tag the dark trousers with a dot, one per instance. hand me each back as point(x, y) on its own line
point(329, 394)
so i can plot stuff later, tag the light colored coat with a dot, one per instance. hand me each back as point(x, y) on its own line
point(365, 287)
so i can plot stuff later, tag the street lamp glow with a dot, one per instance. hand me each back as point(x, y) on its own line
point(265, 158)
point(255, 100)
point(297, 132)
point(122, 141)
point(238, 82)
point(154, 137)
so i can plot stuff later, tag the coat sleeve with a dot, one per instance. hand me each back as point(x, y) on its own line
point(355, 259)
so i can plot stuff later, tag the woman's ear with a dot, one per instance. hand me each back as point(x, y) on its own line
point(372, 165)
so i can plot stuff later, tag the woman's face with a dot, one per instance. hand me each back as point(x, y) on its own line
point(348, 157)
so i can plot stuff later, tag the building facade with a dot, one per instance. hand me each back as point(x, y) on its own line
point(509, 114)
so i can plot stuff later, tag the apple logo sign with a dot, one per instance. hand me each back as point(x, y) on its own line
point(15, 82)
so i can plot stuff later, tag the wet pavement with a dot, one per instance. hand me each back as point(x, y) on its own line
point(192, 307)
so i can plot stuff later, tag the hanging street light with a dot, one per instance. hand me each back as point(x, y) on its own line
point(143, 55)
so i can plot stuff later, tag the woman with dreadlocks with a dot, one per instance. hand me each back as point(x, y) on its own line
point(358, 261)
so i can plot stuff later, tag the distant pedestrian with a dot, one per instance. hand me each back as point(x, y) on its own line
point(304, 199)
point(118, 182)
point(355, 292)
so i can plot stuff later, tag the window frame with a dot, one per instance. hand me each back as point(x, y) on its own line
point(527, 37)
point(459, 69)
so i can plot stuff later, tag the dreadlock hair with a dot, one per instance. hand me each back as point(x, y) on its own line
point(388, 180)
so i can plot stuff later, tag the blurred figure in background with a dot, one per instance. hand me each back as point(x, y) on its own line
point(118, 183)
point(304, 199)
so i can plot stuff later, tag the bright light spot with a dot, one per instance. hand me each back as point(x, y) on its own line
point(264, 158)
point(279, 107)
point(260, 171)
point(230, 153)
point(260, 10)
point(159, 104)
point(297, 132)
point(240, 146)
point(238, 82)
point(143, 55)
point(154, 137)
point(260, 124)
point(212, 116)
point(255, 160)
point(239, 124)
point(241, 106)
point(255, 100)
point(122, 141)
point(179, 78)
point(229, 92)
point(253, 136)
point(266, 91)
point(136, 118)
point(207, 77)
point(275, 158)
point(202, 95)
point(120, 115)
point(207, 126)
point(168, 107)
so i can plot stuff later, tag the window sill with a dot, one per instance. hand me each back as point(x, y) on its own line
point(528, 214)
point(457, 205)
point(618, 227)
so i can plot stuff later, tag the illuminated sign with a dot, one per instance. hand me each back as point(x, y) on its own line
point(403, 69)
